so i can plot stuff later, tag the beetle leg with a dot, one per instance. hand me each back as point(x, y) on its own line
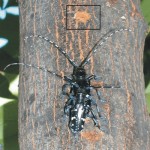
point(68, 105)
point(96, 123)
point(94, 103)
point(99, 96)
point(64, 89)
point(107, 86)
point(91, 77)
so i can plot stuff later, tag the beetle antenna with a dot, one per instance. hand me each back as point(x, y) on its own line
point(56, 46)
point(100, 42)
point(37, 67)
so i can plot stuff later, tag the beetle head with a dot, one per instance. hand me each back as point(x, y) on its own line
point(79, 73)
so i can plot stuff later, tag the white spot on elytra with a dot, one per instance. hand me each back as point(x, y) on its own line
point(72, 118)
point(80, 111)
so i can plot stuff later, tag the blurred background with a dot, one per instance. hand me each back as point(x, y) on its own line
point(9, 52)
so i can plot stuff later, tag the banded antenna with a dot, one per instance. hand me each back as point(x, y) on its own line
point(37, 67)
point(100, 42)
point(56, 46)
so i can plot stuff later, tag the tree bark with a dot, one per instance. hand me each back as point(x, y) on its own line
point(41, 122)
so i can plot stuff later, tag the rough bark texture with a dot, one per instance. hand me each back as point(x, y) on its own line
point(41, 122)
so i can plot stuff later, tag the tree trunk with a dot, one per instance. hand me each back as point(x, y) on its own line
point(42, 125)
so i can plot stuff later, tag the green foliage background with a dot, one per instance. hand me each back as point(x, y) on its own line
point(9, 54)
point(145, 6)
